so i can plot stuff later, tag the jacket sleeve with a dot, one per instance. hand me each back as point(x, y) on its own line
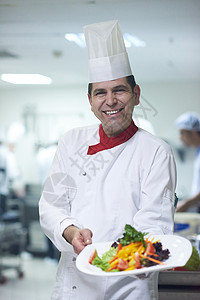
point(156, 213)
point(54, 204)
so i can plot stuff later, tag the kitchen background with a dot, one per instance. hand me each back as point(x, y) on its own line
point(163, 46)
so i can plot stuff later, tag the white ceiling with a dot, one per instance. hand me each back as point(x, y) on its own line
point(33, 31)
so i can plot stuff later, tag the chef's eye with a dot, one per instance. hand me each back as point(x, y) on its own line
point(100, 93)
point(121, 90)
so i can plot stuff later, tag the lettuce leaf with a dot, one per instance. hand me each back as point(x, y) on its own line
point(106, 257)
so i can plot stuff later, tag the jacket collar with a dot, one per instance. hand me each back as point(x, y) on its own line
point(111, 142)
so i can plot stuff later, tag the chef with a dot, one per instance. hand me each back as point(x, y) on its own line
point(189, 128)
point(9, 173)
point(106, 176)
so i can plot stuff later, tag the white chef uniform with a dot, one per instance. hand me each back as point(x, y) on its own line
point(190, 121)
point(196, 174)
point(132, 183)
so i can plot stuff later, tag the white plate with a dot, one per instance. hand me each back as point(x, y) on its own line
point(179, 247)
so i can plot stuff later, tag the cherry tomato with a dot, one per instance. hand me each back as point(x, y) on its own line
point(122, 264)
point(92, 256)
point(150, 249)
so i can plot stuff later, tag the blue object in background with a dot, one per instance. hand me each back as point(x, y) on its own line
point(180, 226)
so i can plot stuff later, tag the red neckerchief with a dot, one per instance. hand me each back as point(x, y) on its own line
point(110, 142)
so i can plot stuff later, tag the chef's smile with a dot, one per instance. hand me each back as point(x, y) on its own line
point(112, 112)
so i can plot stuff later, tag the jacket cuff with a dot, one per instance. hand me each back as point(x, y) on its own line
point(61, 243)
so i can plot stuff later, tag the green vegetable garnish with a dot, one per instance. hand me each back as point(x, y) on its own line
point(106, 257)
point(131, 235)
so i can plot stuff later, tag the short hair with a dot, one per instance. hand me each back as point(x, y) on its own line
point(130, 79)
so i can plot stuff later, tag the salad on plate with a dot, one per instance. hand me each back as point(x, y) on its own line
point(135, 250)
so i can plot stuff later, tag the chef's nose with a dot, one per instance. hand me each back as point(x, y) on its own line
point(110, 99)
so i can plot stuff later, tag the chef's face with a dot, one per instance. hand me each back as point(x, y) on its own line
point(113, 102)
point(186, 137)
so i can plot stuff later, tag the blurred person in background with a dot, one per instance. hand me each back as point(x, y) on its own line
point(189, 129)
point(44, 160)
point(9, 174)
point(4, 177)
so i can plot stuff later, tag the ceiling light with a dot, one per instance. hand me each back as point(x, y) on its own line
point(26, 79)
point(77, 38)
point(129, 40)
point(132, 40)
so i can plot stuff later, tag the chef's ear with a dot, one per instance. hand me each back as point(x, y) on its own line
point(90, 100)
point(137, 94)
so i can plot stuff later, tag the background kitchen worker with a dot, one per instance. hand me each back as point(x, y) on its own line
point(189, 128)
point(4, 177)
point(9, 174)
point(44, 160)
point(106, 176)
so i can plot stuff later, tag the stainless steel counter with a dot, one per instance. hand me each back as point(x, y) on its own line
point(179, 285)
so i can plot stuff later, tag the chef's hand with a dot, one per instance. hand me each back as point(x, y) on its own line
point(78, 238)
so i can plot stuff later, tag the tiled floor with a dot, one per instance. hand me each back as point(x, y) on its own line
point(36, 284)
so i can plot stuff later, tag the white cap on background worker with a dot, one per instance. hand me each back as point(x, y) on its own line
point(188, 121)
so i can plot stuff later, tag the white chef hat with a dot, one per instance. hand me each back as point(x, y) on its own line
point(188, 121)
point(108, 59)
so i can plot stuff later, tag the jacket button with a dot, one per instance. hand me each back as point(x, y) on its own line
point(74, 287)
point(74, 259)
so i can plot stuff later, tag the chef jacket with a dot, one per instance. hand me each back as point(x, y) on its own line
point(132, 183)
